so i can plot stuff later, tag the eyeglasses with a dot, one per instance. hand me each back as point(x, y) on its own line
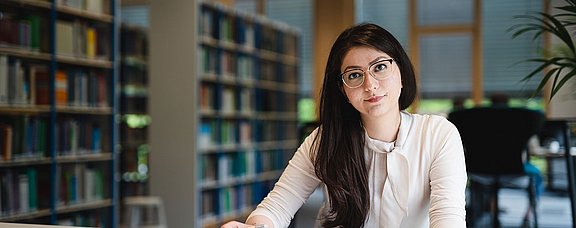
point(380, 70)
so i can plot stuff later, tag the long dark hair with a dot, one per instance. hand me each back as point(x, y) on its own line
point(339, 161)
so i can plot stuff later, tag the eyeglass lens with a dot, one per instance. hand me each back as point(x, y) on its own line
point(379, 70)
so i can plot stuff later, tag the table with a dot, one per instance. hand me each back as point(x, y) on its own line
point(569, 153)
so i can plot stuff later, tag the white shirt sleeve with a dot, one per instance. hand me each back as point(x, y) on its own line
point(448, 180)
point(295, 185)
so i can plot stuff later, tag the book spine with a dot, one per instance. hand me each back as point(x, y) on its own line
point(33, 189)
point(61, 88)
point(24, 189)
point(4, 79)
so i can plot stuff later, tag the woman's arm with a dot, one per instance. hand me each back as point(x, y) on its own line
point(292, 190)
point(448, 180)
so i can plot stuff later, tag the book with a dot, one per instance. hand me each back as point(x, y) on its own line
point(31, 84)
point(3, 79)
point(228, 101)
point(101, 90)
point(7, 141)
point(33, 189)
point(23, 190)
point(9, 34)
point(42, 85)
point(96, 146)
point(35, 32)
point(24, 34)
point(94, 6)
point(61, 86)
point(207, 97)
point(91, 41)
point(15, 78)
point(64, 38)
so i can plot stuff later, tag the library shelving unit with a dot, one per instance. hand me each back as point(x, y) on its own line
point(58, 128)
point(134, 110)
point(223, 102)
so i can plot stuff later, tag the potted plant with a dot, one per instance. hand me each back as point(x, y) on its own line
point(559, 61)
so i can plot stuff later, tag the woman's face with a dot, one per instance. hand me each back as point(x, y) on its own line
point(374, 97)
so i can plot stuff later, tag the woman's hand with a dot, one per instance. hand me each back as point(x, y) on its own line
point(257, 221)
point(235, 224)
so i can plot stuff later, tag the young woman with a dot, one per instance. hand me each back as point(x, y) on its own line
point(380, 165)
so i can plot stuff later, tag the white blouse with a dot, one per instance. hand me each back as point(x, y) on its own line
point(417, 181)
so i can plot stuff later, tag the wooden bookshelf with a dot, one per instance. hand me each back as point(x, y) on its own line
point(58, 107)
point(134, 111)
point(224, 109)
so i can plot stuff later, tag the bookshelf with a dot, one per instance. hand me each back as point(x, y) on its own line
point(224, 108)
point(58, 112)
point(134, 110)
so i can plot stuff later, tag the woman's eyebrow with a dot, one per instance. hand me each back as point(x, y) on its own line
point(379, 58)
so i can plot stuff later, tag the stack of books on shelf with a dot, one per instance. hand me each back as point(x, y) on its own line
point(247, 96)
point(57, 112)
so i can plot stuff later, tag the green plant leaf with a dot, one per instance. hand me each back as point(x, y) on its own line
point(544, 81)
point(545, 64)
point(559, 30)
point(563, 81)
point(555, 62)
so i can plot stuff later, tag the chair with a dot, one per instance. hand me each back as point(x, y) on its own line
point(495, 141)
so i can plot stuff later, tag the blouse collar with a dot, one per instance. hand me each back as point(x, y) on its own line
point(404, 129)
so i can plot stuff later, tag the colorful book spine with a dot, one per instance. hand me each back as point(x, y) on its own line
point(61, 87)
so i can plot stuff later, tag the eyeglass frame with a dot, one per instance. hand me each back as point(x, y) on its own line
point(391, 60)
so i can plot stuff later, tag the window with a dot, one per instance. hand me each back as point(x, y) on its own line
point(445, 33)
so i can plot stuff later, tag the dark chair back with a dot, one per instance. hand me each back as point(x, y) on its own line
point(495, 138)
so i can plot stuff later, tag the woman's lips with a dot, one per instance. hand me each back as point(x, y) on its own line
point(374, 99)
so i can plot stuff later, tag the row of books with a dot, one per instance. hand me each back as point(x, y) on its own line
point(28, 83)
point(269, 101)
point(243, 67)
point(133, 130)
point(233, 133)
point(226, 28)
point(134, 104)
point(225, 132)
point(234, 200)
point(22, 83)
point(247, 30)
point(79, 183)
point(82, 88)
point(134, 72)
point(77, 137)
point(26, 137)
point(19, 191)
point(81, 39)
point(231, 100)
point(133, 41)
point(234, 102)
point(228, 168)
point(25, 32)
point(275, 131)
point(92, 6)
point(23, 137)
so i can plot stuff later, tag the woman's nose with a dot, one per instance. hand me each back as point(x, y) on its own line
point(370, 83)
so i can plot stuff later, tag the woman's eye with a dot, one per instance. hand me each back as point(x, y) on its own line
point(354, 75)
point(380, 67)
